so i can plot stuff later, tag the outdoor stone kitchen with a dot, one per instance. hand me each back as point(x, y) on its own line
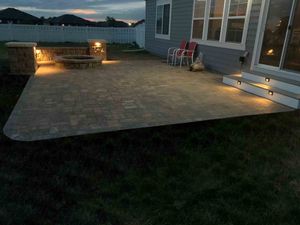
point(26, 57)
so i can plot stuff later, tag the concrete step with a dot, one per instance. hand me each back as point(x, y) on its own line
point(261, 89)
point(274, 81)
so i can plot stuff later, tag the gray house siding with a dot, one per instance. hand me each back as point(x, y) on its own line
point(223, 60)
point(180, 26)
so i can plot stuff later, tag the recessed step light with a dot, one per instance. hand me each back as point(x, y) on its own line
point(263, 89)
point(267, 79)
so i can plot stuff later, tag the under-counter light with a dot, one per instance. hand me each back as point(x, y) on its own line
point(98, 44)
point(38, 54)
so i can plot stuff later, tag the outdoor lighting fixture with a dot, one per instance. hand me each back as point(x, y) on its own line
point(98, 45)
point(38, 53)
point(267, 79)
point(271, 92)
point(239, 82)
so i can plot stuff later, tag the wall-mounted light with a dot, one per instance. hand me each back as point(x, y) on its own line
point(271, 93)
point(267, 79)
point(97, 47)
point(98, 44)
point(38, 54)
point(239, 82)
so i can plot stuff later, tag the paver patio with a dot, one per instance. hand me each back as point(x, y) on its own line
point(123, 95)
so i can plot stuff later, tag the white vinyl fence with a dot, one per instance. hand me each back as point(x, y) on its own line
point(43, 33)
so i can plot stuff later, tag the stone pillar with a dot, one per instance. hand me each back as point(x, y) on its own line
point(22, 58)
point(98, 47)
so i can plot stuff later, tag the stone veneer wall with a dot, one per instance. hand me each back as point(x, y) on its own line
point(22, 58)
point(98, 47)
point(49, 53)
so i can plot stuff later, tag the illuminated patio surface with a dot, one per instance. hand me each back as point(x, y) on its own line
point(124, 95)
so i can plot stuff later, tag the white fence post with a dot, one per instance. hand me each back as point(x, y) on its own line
point(11, 32)
point(140, 35)
point(87, 33)
point(37, 33)
point(62, 34)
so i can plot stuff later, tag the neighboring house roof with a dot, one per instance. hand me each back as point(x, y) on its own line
point(139, 23)
point(68, 19)
point(14, 15)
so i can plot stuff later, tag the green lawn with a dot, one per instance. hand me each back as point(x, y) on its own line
point(233, 172)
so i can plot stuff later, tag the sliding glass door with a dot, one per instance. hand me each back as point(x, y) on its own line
point(280, 47)
point(292, 57)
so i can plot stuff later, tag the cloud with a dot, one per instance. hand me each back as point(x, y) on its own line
point(83, 11)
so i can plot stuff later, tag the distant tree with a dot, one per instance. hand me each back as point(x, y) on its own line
point(42, 20)
point(110, 21)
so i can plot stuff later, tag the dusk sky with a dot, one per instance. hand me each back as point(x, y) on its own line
point(130, 10)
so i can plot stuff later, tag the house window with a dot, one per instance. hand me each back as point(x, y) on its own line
point(236, 20)
point(163, 19)
point(215, 19)
point(221, 23)
point(198, 21)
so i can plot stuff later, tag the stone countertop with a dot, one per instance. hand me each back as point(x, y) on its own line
point(97, 40)
point(21, 44)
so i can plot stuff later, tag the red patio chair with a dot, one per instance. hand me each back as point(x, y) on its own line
point(187, 54)
point(175, 50)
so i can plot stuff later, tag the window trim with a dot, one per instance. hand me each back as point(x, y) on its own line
point(159, 3)
point(222, 41)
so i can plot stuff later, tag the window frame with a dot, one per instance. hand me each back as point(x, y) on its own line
point(162, 3)
point(222, 41)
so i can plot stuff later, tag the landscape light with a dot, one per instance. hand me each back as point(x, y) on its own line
point(38, 53)
point(98, 44)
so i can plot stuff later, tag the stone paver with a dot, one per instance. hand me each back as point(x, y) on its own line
point(123, 95)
